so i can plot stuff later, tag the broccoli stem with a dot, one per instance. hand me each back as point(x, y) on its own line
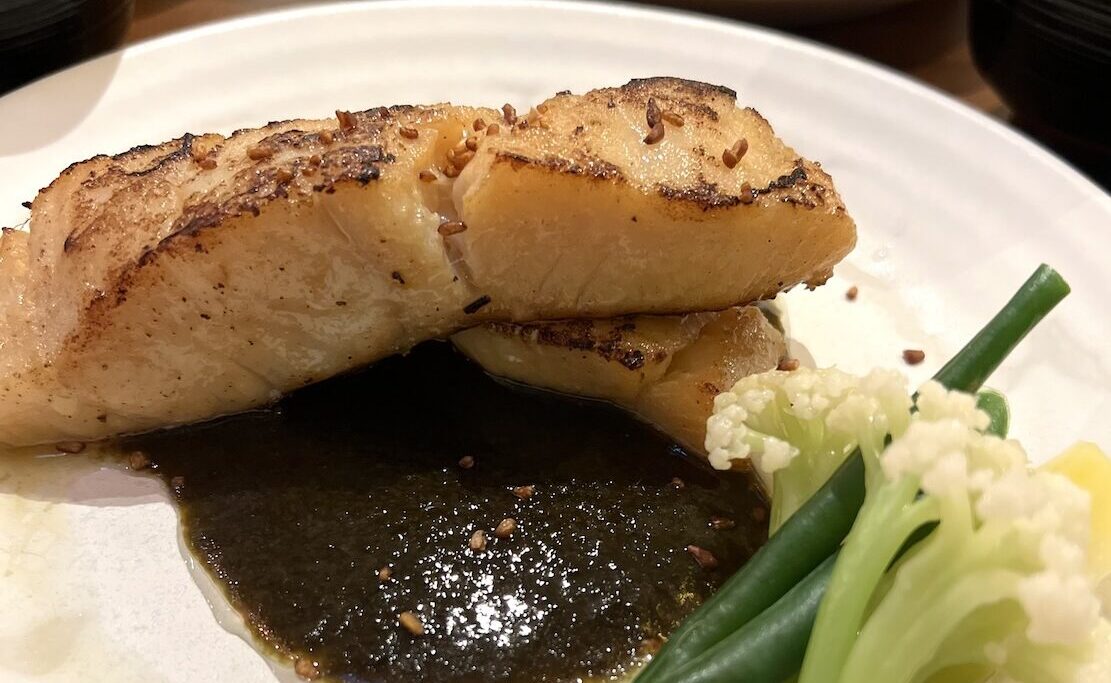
point(885, 521)
point(793, 485)
point(902, 657)
point(961, 658)
point(939, 585)
point(1059, 664)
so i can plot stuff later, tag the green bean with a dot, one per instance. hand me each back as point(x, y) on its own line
point(767, 649)
point(804, 541)
point(995, 405)
point(816, 530)
point(970, 368)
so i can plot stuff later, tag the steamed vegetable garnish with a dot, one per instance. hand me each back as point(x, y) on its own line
point(759, 592)
point(999, 413)
point(1000, 585)
point(1089, 468)
point(798, 427)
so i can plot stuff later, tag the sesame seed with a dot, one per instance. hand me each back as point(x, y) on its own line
point(326, 137)
point(478, 124)
point(673, 118)
point(450, 171)
point(650, 645)
point(448, 228)
point(852, 293)
point(914, 356)
point(466, 462)
point(459, 148)
point(472, 143)
point(346, 119)
point(703, 557)
point(788, 364)
point(732, 156)
point(652, 114)
point(384, 574)
point(306, 668)
point(315, 160)
point(524, 492)
point(411, 623)
point(477, 304)
point(747, 195)
point(478, 541)
point(542, 108)
point(427, 176)
point(409, 133)
point(505, 528)
point(70, 446)
point(721, 523)
point(655, 134)
point(493, 129)
point(260, 152)
point(283, 175)
point(461, 159)
point(509, 114)
point(201, 159)
point(138, 460)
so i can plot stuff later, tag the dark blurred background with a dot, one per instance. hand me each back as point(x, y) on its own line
point(1043, 66)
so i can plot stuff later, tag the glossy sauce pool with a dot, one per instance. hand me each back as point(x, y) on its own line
point(296, 511)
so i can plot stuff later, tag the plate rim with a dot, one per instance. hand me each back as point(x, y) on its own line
point(991, 131)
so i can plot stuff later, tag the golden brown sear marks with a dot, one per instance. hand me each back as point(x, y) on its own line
point(201, 276)
point(611, 340)
point(355, 153)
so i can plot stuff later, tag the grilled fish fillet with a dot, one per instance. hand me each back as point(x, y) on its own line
point(666, 369)
point(211, 274)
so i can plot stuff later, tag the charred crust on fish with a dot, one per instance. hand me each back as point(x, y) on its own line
point(609, 342)
point(675, 94)
point(589, 167)
point(791, 188)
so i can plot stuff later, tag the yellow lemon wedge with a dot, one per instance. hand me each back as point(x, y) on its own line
point(1089, 468)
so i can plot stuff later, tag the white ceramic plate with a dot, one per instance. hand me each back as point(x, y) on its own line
point(954, 211)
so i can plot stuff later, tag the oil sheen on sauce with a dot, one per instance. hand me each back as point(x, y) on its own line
point(297, 510)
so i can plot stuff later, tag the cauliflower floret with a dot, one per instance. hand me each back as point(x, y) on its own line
point(1002, 583)
point(933, 451)
point(1098, 669)
point(1061, 607)
point(798, 427)
point(935, 403)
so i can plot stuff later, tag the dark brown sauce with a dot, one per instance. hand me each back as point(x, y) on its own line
point(294, 511)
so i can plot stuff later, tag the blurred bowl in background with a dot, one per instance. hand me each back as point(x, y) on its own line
point(38, 37)
point(787, 12)
point(1050, 61)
